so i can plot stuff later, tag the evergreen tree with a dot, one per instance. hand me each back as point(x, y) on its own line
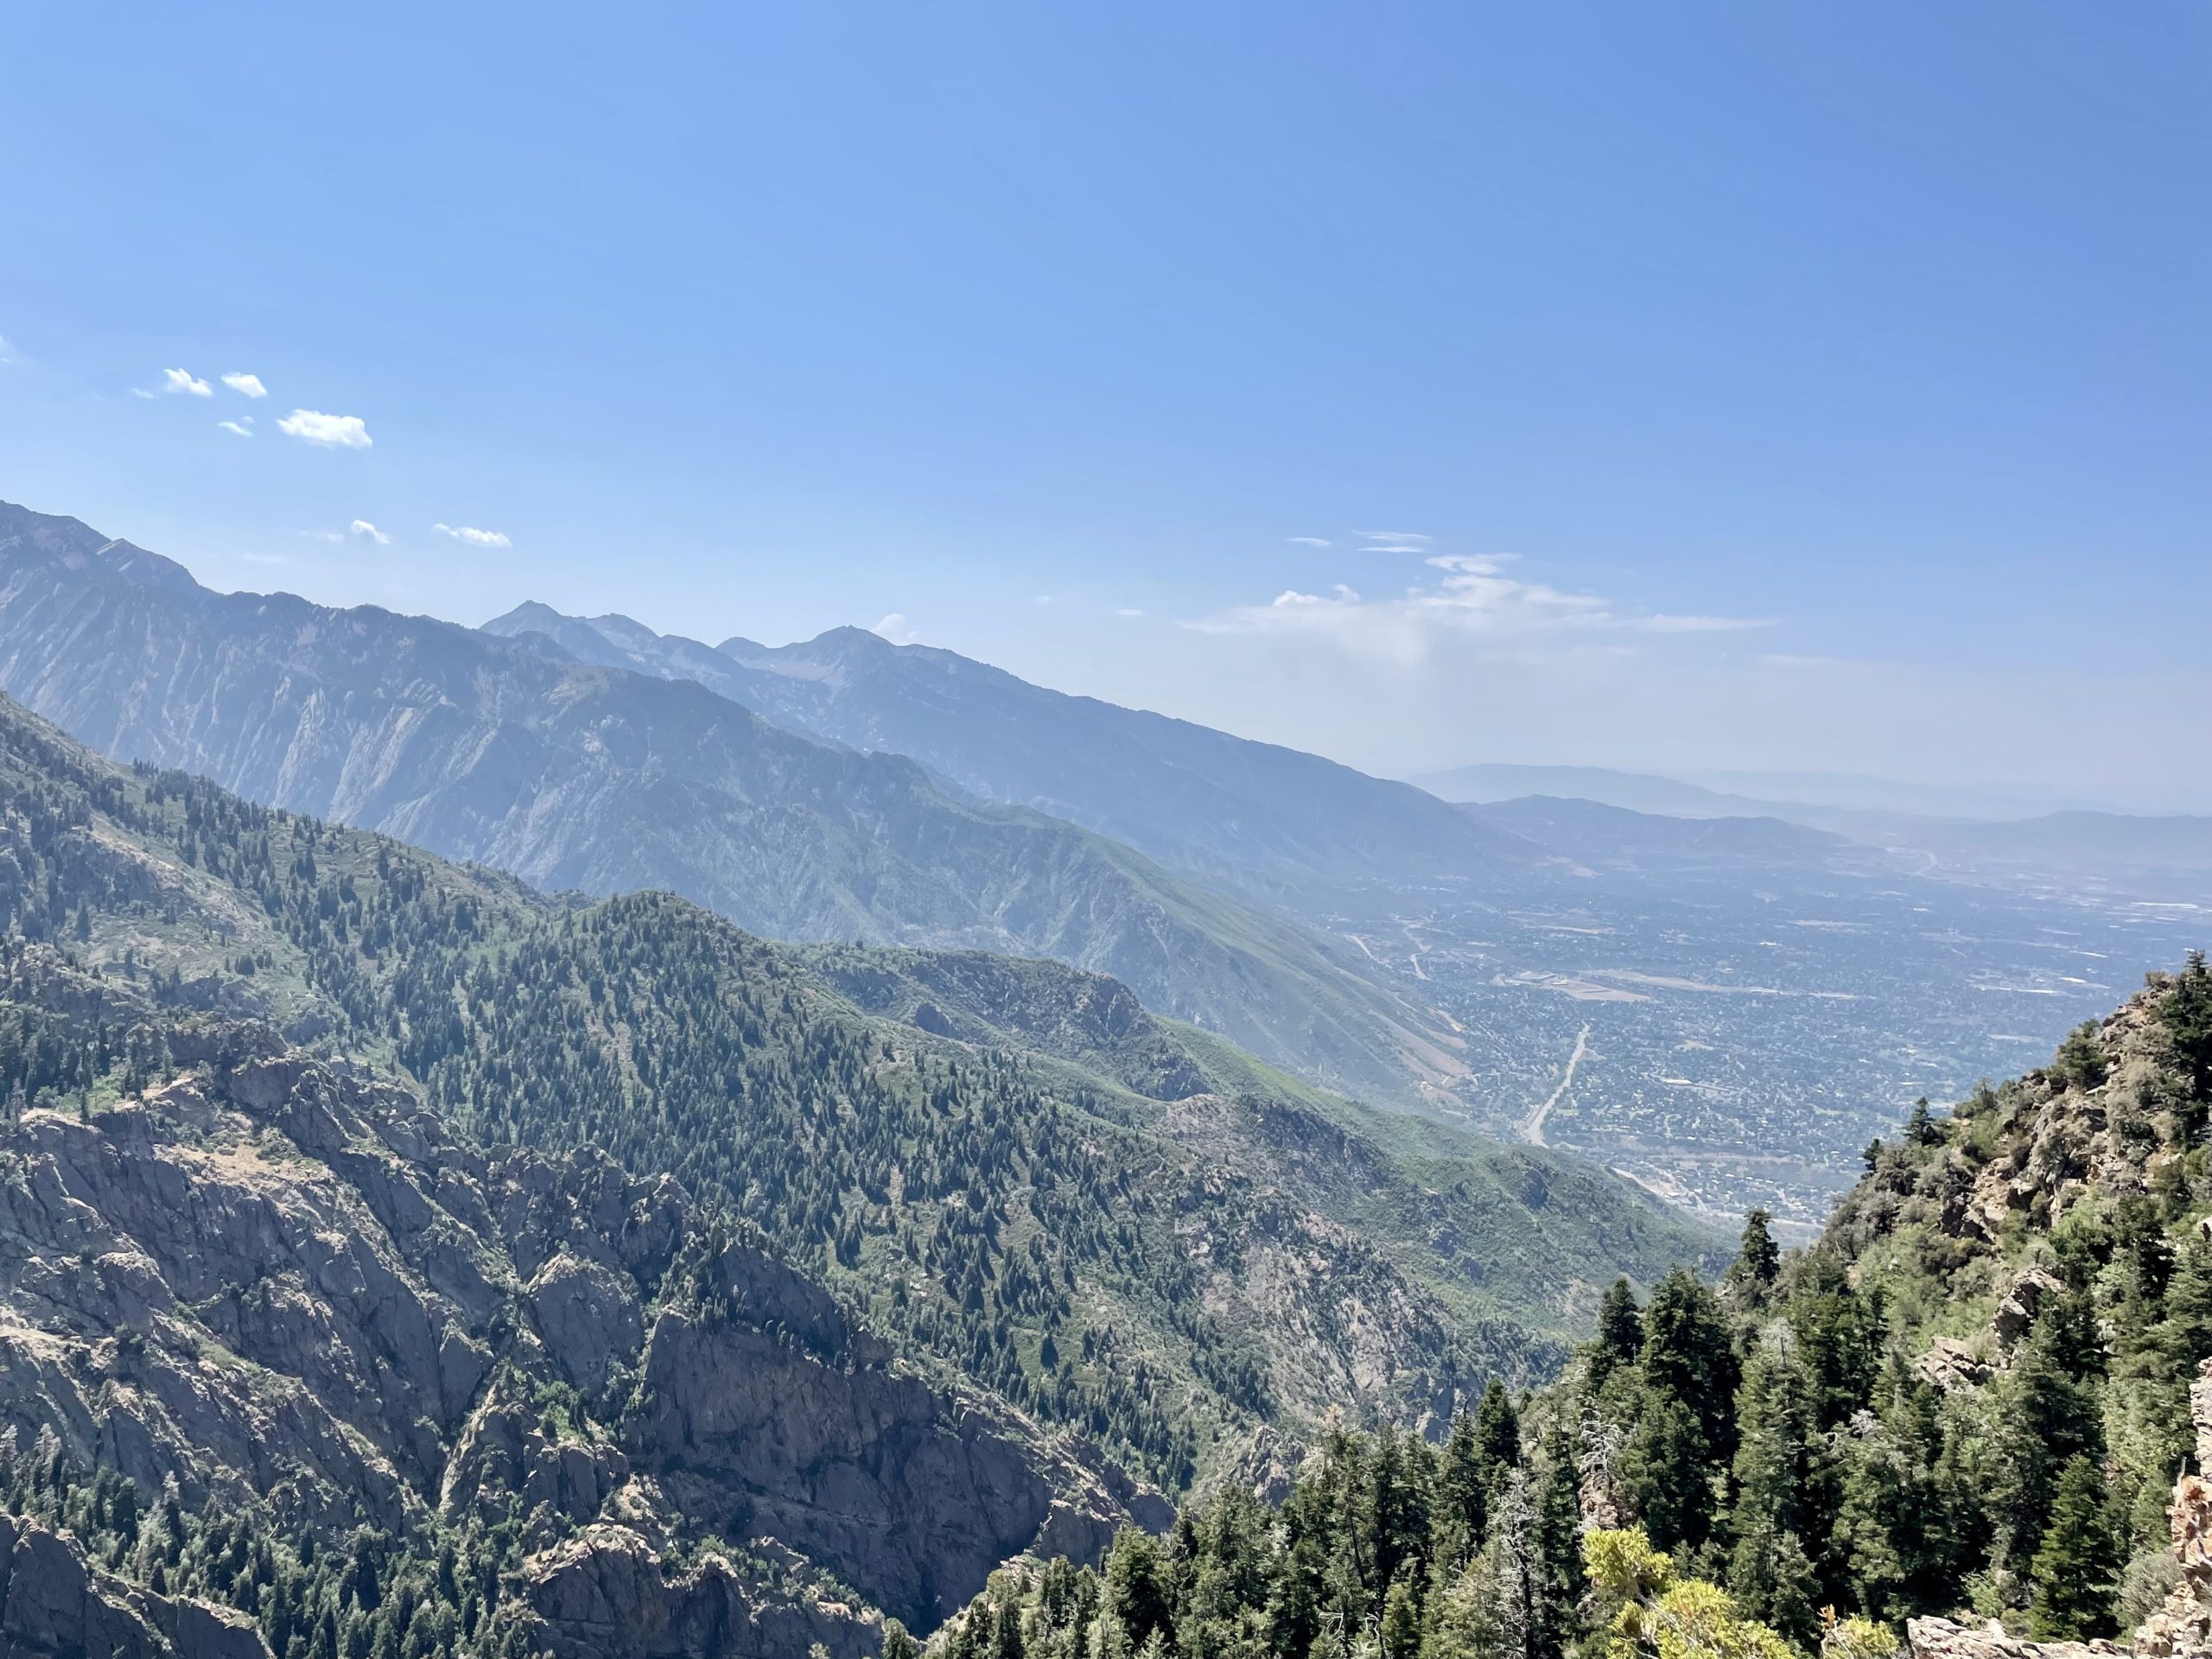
point(1497, 1432)
point(1758, 1264)
point(1558, 1498)
point(2076, 1567)
point(1136, 1595)
point(1689, 1356)
point(1620, 1333)
point(1460, 1505)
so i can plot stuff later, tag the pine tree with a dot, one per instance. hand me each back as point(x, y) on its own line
point(1460, 1504)
point(1497, 1432)
point(1396, 1509)
point(1690, 1353)
point(1399, 1635)
point(1136, 1587)
point(1757, 1264)
point(1558, 1498)
point(1620, 1333)
point(2046, 1416)
point(2076, 1567)
point(2185, 1012)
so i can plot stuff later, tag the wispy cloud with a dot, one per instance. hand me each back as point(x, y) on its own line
point(243, 426)
point(895, 629)
point(362, 531)
point(1128, 610)
point(249, 383)
point(1309, 540)
point(1470, 594)
point(178, 380)
point(473, 536)
point(7, 350)
point(326, 431)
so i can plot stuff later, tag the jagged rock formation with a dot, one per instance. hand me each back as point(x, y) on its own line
point(893, 1162)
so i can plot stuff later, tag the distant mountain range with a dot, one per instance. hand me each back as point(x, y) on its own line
point(1251, 816)
point(2073, 843)
point(580, 774)
point(1612, 838)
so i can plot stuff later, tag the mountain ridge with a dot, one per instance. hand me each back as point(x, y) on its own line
point(1258, 818)
point(593, 776)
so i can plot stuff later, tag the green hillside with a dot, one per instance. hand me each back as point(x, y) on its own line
point(1171, 1278)
point(1971, 1398)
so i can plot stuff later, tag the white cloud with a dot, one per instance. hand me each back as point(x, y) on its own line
point(178, 380)
point(249, 383)
point(473, 537)
point(7, 350)
point(1394, 536)
point(1309, 540)
point(1471, 595)
point(362, 531)
point(243, 428)
point(326, 431)
point(324, 535)
point(1128, 610)
point(895, 629)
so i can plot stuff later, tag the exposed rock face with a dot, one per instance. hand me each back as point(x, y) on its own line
point(1952, 1365)
point(281, 1281)
point(2022, 1302)
point(607, 1591)
point(54, 1605)
point(1939, 1638)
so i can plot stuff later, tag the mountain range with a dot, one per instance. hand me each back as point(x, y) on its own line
point(2074, 843)
point(581, 774)
point(1248, 815)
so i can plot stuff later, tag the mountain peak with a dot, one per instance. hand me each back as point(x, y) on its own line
point(528, 617)
point(852, 641)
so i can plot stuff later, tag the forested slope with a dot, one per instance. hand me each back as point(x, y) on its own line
point(1178, 1282)
point(1971, 1397)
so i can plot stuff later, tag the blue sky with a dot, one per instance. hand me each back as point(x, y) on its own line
point(1778, 386)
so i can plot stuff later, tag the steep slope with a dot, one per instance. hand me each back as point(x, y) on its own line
point(572, 775)
point(1958, 1418)
point(1251, 816)
point(1002, 1206)
point(262, 1285)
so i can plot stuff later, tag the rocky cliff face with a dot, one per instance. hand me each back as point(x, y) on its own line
point(269, 1280)
point(54, 1604)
